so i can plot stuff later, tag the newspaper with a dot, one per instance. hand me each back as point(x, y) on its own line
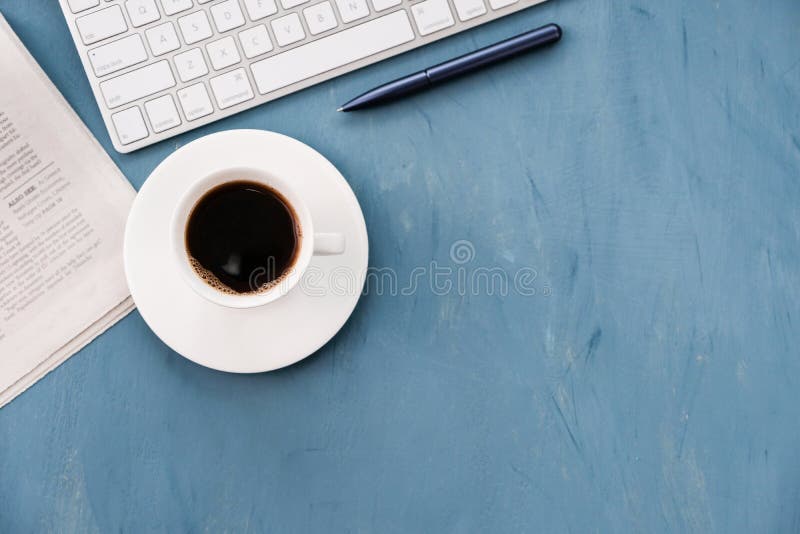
point(63, 205)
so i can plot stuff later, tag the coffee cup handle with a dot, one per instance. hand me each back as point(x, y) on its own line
point(328, 244)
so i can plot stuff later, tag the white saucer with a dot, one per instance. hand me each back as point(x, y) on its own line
point(257, 339)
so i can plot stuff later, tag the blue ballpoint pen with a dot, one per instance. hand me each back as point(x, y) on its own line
point(456, 67)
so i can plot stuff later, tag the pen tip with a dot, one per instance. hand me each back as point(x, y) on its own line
point(339, 109)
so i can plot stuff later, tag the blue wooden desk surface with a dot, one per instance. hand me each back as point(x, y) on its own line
point(647, 168)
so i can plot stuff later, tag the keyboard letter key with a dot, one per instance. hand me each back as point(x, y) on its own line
point(227, 15)
point(255, 41)
point(289, 4)
point(129, 125)
point(320, 18)
point(162, 39)
point(258, 9)
point(288, 29)
point(195, 102)
point(101, 24)
point(190, 65)
point(137, 84)
point(195, 27)
point(231, 88)
point(142, 12)
point(175, 6)
point(432, 16)
point(223, 53)
point(117, 55)
point(352, 9)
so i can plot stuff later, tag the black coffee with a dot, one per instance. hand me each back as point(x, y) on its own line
point(242, 237)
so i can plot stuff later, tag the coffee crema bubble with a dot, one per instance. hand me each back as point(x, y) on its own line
point(242, 237)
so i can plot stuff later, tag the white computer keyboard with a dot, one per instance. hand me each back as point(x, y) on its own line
point(161, 67)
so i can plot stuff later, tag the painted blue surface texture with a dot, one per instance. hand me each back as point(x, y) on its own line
point(644, 174)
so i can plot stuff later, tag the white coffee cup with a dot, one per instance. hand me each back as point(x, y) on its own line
point(309, 243)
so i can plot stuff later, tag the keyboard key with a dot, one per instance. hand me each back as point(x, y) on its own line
point(130, 125)
point(190, 65)
point(231, 88)
point(320, 18)
point(101, 24)
point(351, 10)
point(142, 12)
point(137, 84)
point(258, 9)
point(195, 102)
point(162, 113)
point(469, 9)
point(497, 4)
point(223, 53)
point(227, 15)
point(380, 5)
point(288, 29)
point(432, 16)
point(195, 27)
point(162, 39)
point(117, 55)
point(289, 4)
point(255, 41)
point(175, 6)
point(76, 6)
point(332, 51)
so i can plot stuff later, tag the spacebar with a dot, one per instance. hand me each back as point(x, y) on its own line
point(331, 52)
